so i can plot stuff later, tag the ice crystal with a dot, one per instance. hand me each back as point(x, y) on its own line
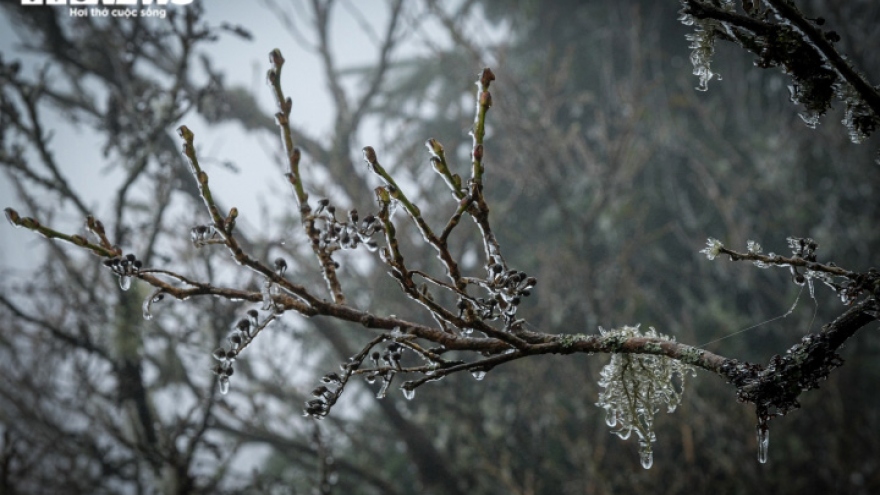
point(754, 247)
point(478, 374)
point(858, 118)
point(224, 385)
point(155, 297)
point(636, 386)
point(763, 442)
point(702, 49)
point(408, 393)
point(713, 248)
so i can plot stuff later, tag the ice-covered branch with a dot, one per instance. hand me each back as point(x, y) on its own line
point(789, 40)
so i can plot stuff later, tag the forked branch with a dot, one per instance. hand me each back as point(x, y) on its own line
point(476, 315)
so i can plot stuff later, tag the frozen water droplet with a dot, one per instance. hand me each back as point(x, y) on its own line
point(267, 296)
point(646, 454)
point(810, 118)
point(409, 393)
point(224, 385)
point(156, 296)
point(386, 381)
point(392, 209)
point(611, 417)
point(478, 375)
point(124, 282)
point(763, 443)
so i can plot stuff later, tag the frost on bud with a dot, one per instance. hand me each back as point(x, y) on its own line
point(280, 266)
point(753, 247)
point(186, 134)
point(202, 235)
point(275, 58)
point(434, 146)
point(253, 317)
point(331, 377)
point(12, 217)
point(713, 248)
point(370, 155)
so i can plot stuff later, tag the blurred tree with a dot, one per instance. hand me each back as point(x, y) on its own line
point(609, 169)
point(600, 137)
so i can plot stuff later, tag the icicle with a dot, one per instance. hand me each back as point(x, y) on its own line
point(763, 443)
point(224, 385)
point(810, 118)
point(156, 296)
point(124, 282)
point(610, 417)
point(646, 455)
point(624, 433)
point(267, 296)
point(384, 390)
point(408, 393)
point(392, 209)
point(146, 307)
point(478, 375)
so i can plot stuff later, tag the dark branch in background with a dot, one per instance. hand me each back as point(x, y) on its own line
point(780, 36)
point(136, 131)
point(477, 325)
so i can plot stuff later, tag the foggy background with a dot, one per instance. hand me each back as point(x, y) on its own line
point(606, 172)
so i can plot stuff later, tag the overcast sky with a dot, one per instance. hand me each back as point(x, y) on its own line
point(244, 63)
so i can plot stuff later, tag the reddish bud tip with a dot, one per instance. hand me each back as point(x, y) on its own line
point(275, 58)
point(486, 77)
point(478, 152)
